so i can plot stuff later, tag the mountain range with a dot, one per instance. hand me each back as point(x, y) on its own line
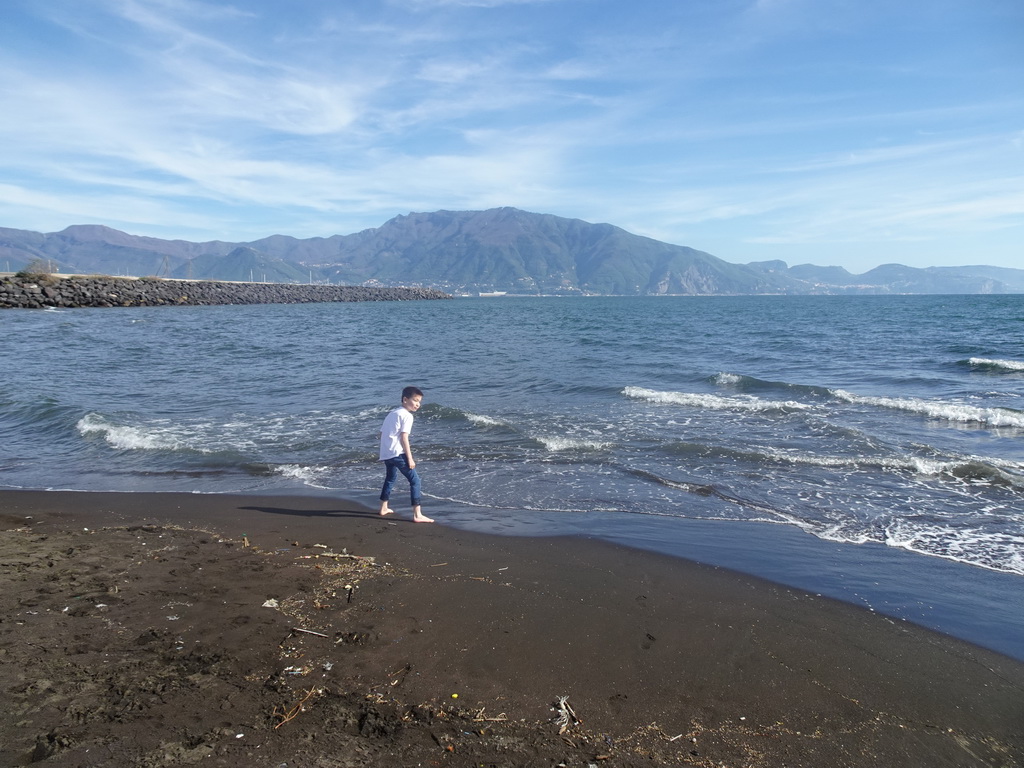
point(497, 250)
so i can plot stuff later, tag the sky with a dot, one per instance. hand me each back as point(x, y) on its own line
point(834, 132)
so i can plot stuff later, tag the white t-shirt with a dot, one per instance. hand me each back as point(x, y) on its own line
point(395, 423)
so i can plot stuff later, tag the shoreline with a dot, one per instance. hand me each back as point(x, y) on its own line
point(646, 646)
point(978, 605)
point(981, 606)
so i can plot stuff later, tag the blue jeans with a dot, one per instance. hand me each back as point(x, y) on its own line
point(393, 467)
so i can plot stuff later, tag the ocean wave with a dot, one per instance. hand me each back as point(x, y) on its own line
point(957, 412)
point(557, 444)
point(45, 416)
point(308, 475)
point(744, 383)
point(966, 469)
point(700, 489)
point(484, 421)
point(728, 379)
point(971, 542)
point(968, 543)
point(715, 402)
point(985, 549)
point(708, 491)
point(1016, 366)
point(450, 413)
point(971, 469)
point(990, 472)
point(129, 438)
point(234, 434)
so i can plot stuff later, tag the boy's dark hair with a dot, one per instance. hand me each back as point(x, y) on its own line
point(411, 392)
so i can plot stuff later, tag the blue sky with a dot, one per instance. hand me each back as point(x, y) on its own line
point(835, 132)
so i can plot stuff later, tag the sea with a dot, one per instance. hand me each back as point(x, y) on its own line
point(864, 448)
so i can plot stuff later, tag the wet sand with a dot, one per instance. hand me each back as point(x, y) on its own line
point(184, 629)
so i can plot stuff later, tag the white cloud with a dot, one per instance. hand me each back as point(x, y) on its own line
point(778, 121)
point(429, 4)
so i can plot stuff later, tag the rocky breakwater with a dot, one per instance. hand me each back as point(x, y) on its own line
point(38, 292)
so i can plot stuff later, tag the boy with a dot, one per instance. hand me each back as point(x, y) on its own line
point(396, 453)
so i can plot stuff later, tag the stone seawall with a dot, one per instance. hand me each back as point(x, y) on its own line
point(54, 291)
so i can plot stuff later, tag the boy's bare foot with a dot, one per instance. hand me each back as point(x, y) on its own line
point(421, 518)
point(386, 511)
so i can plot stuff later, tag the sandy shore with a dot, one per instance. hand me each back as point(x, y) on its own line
point(181, 629)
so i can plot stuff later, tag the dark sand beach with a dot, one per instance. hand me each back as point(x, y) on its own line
point(185, 629)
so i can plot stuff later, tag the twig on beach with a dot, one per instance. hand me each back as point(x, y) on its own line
point(308, 632)
point(479, 718)
point(566, 715)
point(290, 714)
point(346, 555)
point(367, 559)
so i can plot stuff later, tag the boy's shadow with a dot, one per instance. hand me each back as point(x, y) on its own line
point(365, 513)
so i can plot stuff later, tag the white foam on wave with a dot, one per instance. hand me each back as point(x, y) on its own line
point(484, 421)
point(727, 379)
point(815, 460)
point(1009, 365)
point(308, 475)
point(916, 464)
point(572, 444)
point(856, 462)
point(928, 466)
point(992, 550)
point(714, 402)
point(127, 438)
point(958, 412)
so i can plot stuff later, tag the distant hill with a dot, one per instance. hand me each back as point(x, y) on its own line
point(502, 249)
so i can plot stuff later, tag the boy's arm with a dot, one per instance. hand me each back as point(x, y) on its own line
point(407, 449)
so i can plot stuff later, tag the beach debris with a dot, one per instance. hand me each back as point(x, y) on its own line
point(349, 589)
point(321, 546)
point(479, 717)
point(308, 632)
point(287, 715)
point(355, 638)
point(245, 540)
point(566, 716)
point(271, 603)
point(367, 559)
point(399, 675)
